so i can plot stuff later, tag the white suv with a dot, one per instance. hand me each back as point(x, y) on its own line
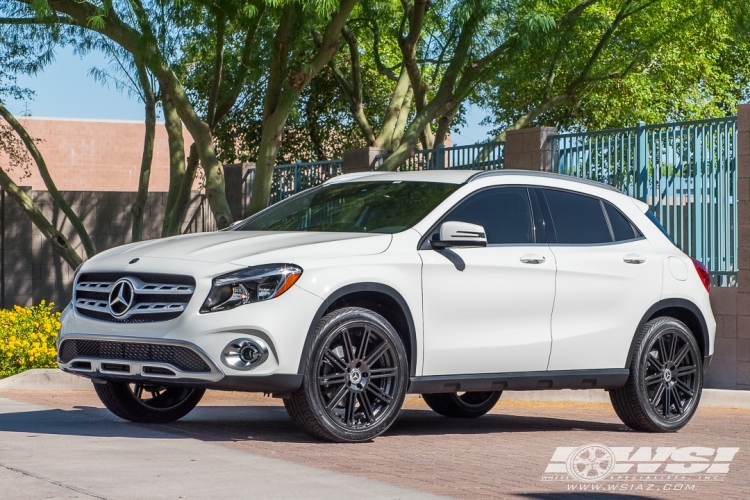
point(456, 285)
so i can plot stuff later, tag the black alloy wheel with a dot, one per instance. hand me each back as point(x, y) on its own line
point(462, 405)
point(666, 379)
point(356, 378)
point(148, 403)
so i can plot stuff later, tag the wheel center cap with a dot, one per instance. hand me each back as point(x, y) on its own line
point(355, 376)
point(667, 375)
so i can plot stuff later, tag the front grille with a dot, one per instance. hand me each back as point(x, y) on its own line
point(180, 357)
point(156, 297)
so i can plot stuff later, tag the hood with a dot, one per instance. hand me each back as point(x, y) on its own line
point(230, 246)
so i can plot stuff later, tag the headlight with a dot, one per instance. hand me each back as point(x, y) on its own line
point(250, 285)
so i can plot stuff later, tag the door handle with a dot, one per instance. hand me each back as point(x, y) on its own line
point(634, 258)
point(533, 258)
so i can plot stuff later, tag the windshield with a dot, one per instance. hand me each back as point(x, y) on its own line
point(367, 207)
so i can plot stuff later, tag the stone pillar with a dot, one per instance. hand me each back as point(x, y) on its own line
point(743, 219)
point(361, 160)
point(236, 192)
point(529, 149)
point(730, 366)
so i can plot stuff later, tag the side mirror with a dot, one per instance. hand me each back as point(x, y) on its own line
point(460, 234)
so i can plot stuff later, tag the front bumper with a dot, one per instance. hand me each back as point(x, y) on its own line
point(281, 324)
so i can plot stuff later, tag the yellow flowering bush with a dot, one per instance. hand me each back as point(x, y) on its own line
point(28, 337)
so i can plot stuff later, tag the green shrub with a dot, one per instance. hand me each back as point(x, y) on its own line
point(28, 337)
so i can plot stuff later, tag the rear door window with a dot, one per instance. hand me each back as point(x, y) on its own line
point(578, 219)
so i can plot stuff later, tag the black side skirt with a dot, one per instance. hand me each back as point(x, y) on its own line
point(521, 381)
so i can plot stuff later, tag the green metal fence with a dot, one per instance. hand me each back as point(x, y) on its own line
point(687, 173)
point(291, 178)
point(482, 156)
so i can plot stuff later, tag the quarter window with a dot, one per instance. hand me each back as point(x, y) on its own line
point(504, 213)
point(622, 229)
point(578, 219)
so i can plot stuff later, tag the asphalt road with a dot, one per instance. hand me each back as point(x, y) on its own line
point(244, 446)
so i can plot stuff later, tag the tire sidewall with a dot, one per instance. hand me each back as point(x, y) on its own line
point(659, 327)
point(312, 393)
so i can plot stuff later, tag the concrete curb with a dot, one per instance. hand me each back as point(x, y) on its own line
point(45, 380)
point(57, 380)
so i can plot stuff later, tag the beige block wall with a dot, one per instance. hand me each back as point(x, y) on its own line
point(96, 155)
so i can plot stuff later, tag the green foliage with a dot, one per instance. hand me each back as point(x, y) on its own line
point(666, 61)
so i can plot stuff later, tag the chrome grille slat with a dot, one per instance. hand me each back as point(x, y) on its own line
point(157, 297)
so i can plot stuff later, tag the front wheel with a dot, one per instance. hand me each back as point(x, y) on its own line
point(666, 379)
point(466, 405)
point(148, 403)
point(356, 378)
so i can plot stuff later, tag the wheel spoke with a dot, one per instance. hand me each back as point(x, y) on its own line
point(333, 358)
point(138, 391)
point(662, 350)
point(681, 354)
point(383, 373)
point(349, 414)
point(657, 395)
point(653, 379)
point(363, 346)
point(673, 347)
point(349, 352)
point(337, 398)
point(378, 392)
point(335, 378)
point(685, 370)
point(652, 359)
point(677, 400)
point(366, 408)
point(684, 388)
point(667, 402)
point(372, 358)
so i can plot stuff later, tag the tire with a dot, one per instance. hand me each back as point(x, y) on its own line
point(356, 378)
point(467, 405)
point(666, 379)
point(165, 405)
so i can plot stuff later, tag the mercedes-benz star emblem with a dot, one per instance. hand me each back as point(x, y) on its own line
point(121, 298)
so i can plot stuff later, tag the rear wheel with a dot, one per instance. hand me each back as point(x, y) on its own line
point(464, 405)
point(356, 378)
point(666, 379)
point(148, 403)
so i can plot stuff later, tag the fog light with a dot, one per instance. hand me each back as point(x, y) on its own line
point(244, 354)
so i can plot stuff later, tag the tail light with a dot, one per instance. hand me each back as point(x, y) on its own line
point(703, 274)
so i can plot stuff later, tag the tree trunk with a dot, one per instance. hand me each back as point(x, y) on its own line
point(273, 130)
point(58, 240)
point(183, 201)
point(148, 154)
point(75, 221)
point(393, 112)
point(173, 125)
point(403, 118)
point(204, 147)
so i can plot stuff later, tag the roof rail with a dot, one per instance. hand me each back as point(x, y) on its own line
point(532, 173)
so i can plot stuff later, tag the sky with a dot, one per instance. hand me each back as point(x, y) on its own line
point(65, 90)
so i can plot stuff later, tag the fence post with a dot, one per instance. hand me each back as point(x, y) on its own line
point(641, 162)
point(440, 159)
point(297, 168)
point(529, 148)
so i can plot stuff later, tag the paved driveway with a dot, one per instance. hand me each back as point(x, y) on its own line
point(64, 445)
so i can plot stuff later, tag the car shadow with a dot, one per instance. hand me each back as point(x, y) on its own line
point(271, 424)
